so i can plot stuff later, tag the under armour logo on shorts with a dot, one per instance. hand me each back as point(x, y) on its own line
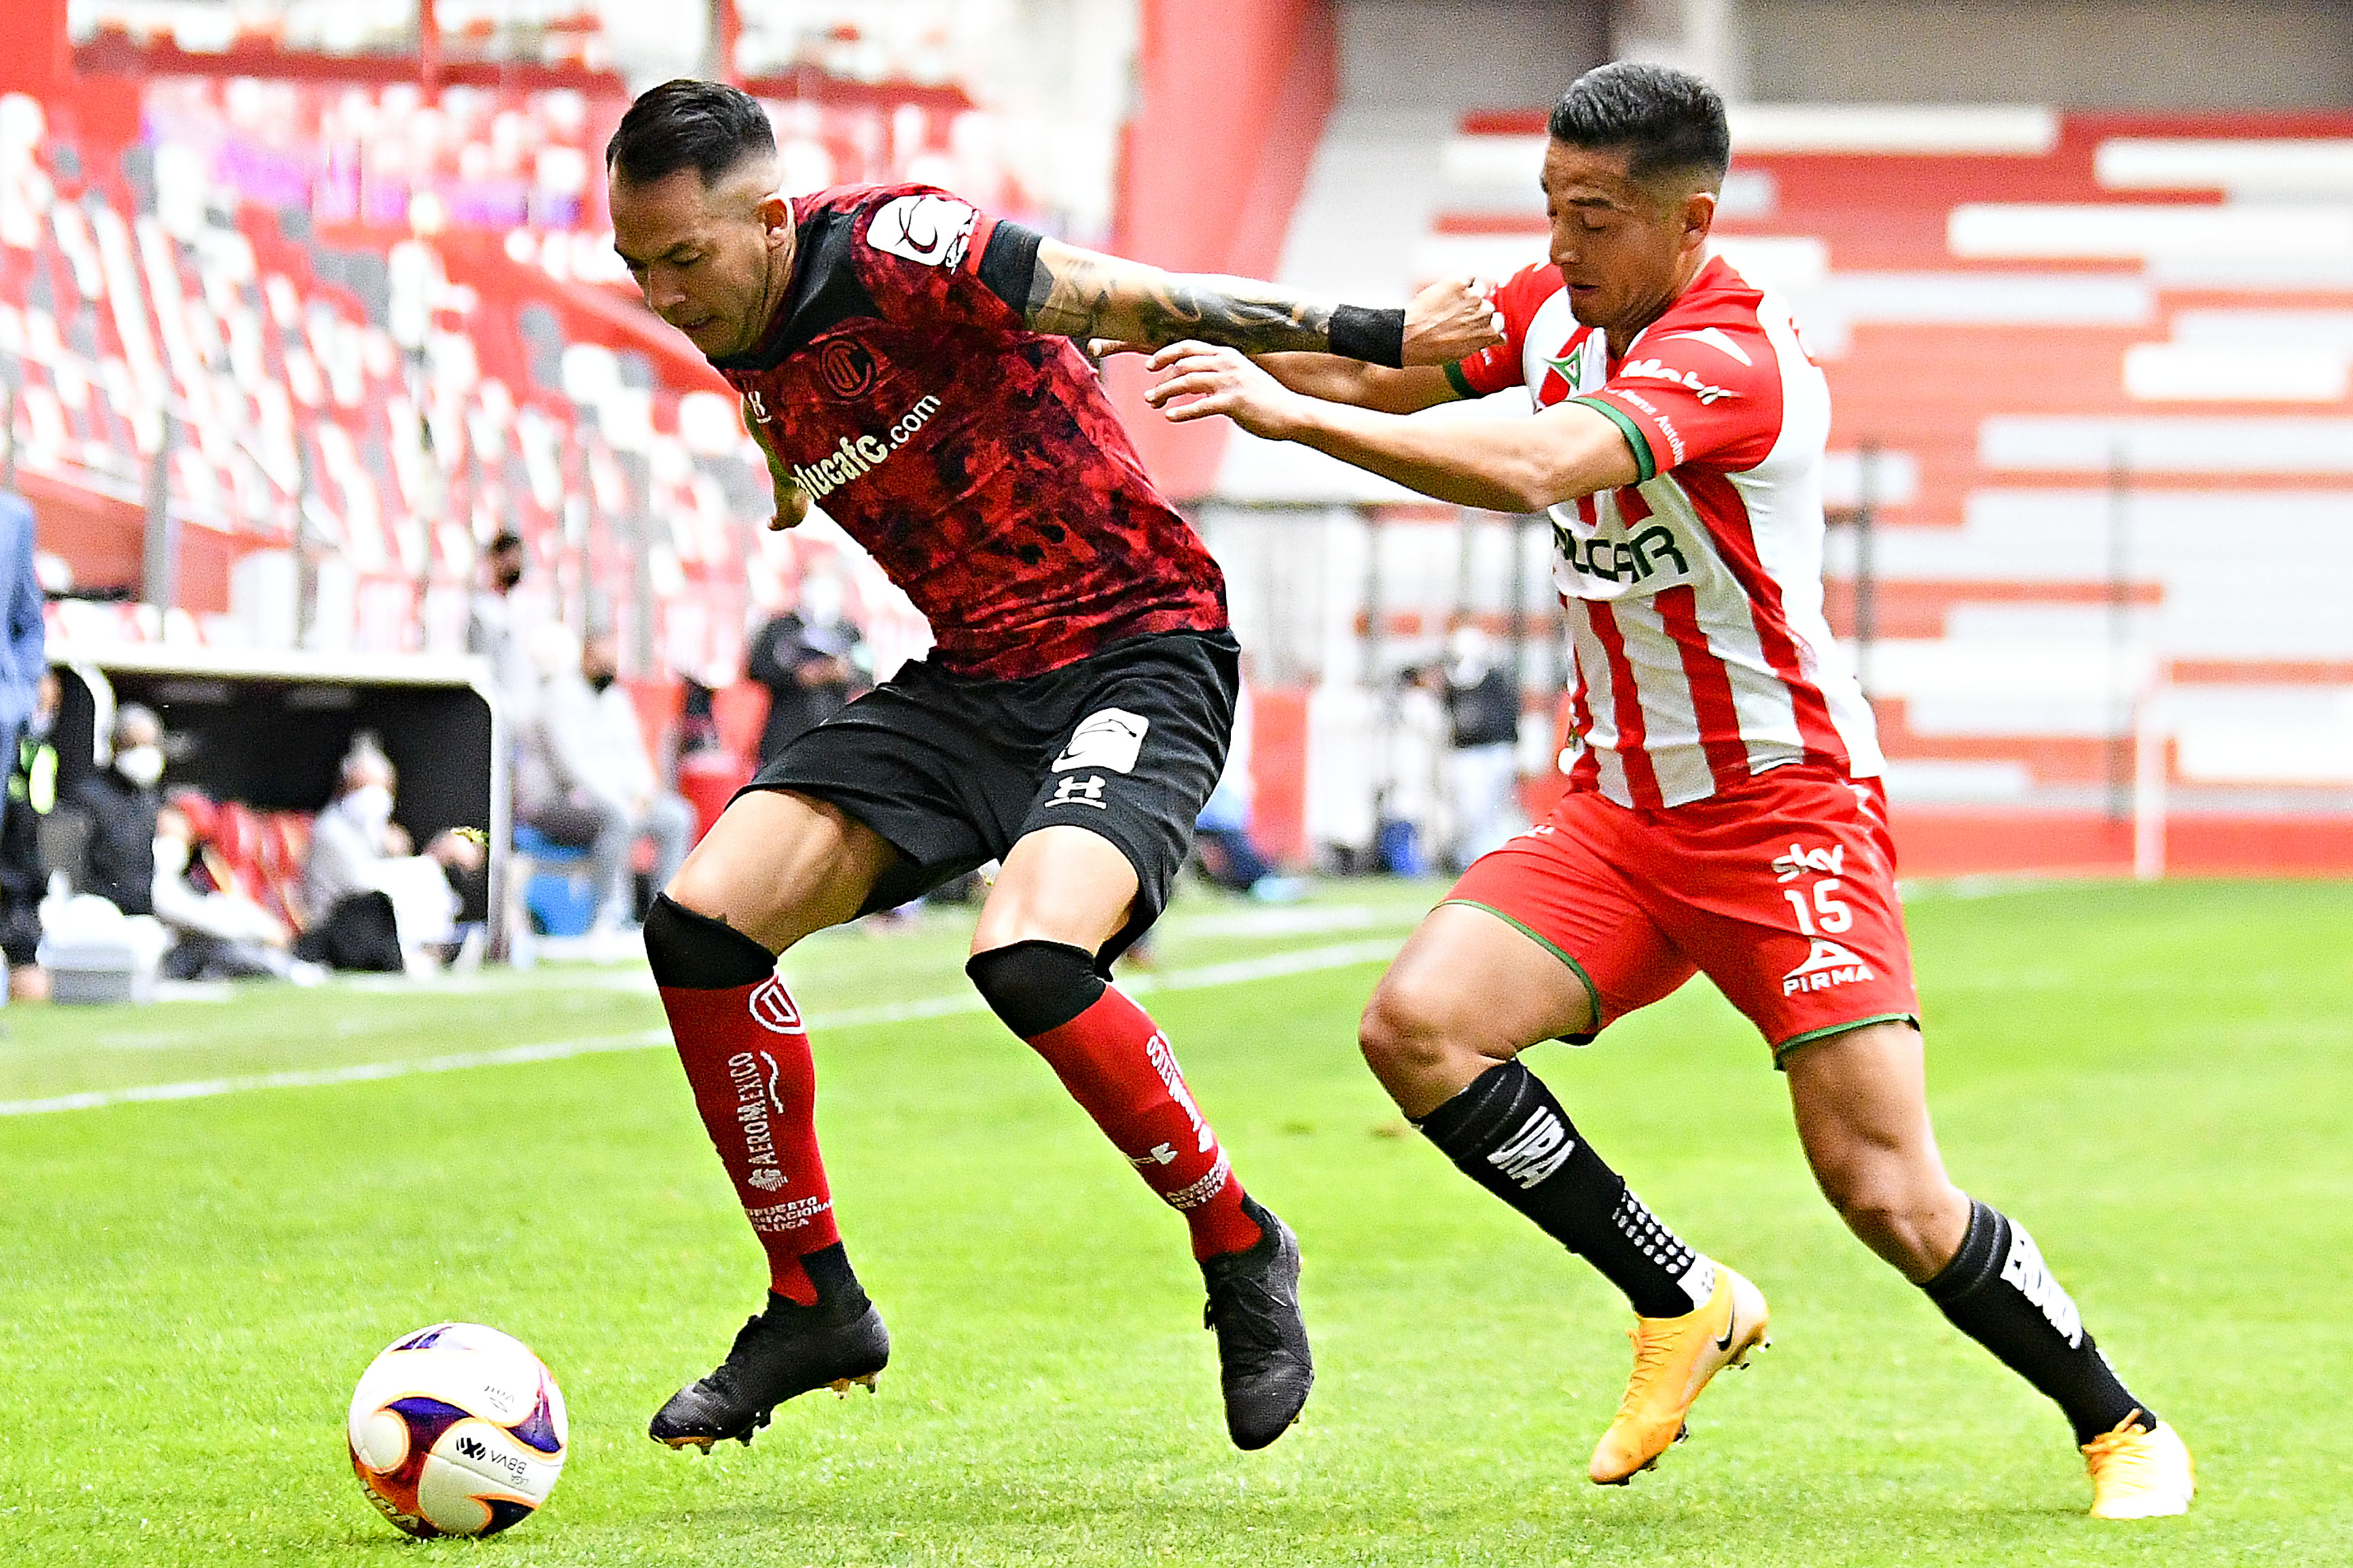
point(1085, 791)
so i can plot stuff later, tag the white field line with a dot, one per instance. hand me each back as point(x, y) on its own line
point(1239, 971)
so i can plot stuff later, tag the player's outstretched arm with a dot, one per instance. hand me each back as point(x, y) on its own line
point(1085, 294)
point(1408, 390)
point(1502, 464)
point(1405, 389)
point(791, 500)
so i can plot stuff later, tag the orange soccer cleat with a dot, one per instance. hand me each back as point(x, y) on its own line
point(1674, 1359)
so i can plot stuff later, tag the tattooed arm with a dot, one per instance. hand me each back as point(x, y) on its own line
point(1083, 294)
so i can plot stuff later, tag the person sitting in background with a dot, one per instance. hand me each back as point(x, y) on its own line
point(218, 933)
point(1222, 845)
point(371, 902)
point(24, 870)
point(1221, 842)
point(591, 781)
point(123, 801)
point(811, 659)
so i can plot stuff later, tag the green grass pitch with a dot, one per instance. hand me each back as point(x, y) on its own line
point(2156, 1079)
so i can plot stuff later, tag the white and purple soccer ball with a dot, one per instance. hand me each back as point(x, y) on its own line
point(458, 1430)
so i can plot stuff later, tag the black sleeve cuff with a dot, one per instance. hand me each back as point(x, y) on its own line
point(1010, 263)
point(1376, 337)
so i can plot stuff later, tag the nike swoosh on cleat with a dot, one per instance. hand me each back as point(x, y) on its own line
point(1726, 1343)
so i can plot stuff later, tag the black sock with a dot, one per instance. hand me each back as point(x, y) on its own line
point(1507, 1133)
point(1998, 1292)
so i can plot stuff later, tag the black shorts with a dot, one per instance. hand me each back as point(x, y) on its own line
point(951, 770)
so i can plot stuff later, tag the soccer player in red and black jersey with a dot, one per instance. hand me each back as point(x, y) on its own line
point(905, 359)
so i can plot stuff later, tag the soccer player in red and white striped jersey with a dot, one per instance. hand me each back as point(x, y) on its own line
point(1724, 813)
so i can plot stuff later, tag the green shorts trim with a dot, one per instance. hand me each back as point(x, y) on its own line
point(1826, 1031)
point(1592, 992)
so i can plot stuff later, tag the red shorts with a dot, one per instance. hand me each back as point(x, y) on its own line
point(1781, 892)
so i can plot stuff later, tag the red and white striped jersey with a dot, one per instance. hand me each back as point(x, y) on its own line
point(1694, 594)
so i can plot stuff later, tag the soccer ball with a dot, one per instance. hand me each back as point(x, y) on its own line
point(458, 1430)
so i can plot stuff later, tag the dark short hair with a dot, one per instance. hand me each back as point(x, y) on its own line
point(1666, 121)
point(706, 126)
point(508, 539)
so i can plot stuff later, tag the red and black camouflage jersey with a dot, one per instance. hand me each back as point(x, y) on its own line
point(977, 461)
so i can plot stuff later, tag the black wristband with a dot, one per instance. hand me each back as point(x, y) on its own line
point(1376, 337)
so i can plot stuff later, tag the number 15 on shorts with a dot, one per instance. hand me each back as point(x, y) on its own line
point(1824, 910)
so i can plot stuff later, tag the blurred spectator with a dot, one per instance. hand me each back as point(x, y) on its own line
point(811, 659)
point(1482, 707)
point(122, 802)
point(496, 629)
point(24, 870)
point(217, 935)
point(591, 782)
point(1221, 841)
point(1229, 859)
point(372, 902)
point(1414, 815)
point(22, 658)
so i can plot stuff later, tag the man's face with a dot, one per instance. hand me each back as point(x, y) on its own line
point(1621, 247)
point(600, 658)
point(712, 261)
point(506, 567)
point(135, 730)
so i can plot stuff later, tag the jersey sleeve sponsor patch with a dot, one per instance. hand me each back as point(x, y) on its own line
point(1696, 396)
point(933, 230)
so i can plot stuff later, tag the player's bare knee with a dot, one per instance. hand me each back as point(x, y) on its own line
point(1407, 1027)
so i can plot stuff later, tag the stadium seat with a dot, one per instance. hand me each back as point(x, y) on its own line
point(557, 895)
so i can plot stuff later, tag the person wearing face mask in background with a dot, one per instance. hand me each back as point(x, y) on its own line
point(122, 801)
point(498, 628)
point(370, 902)
point(590, 780)
point(1482, 710)
point(812, 661)
point(218, 934)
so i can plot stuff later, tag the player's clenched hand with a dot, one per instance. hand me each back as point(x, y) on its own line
point(791, 507)
point(1220, 381)
point(1453, 319)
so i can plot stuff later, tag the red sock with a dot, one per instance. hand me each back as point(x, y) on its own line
point(1116, 1063)
point(747, 1057)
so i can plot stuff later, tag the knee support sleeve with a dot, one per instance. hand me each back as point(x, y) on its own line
point(695, 953)
point(1034, 986)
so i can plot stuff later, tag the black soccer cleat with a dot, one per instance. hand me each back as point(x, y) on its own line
point(1264, 1362)
point(786, 1351)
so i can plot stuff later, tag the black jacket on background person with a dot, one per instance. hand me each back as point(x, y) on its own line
point(121, 858)
point(778, 654)
point(1486, 711)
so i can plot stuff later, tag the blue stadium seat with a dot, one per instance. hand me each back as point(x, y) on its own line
point(559, 895)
